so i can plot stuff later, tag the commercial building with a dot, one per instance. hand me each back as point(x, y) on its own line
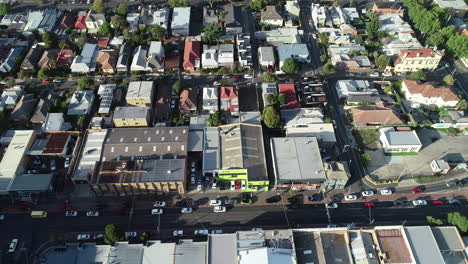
point(418, 59)
point(308, 122)
point(180, 21)
point(268, 88)
point(289, 91)
point(106, 93)
point(132, 116)
point(297, 163)
point(426, 94)
point(140, 93)
point(394, 141)
point(90, 156)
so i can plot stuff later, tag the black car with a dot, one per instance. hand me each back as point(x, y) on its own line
point(274, 199)
point(464, 181)
point(316, 197)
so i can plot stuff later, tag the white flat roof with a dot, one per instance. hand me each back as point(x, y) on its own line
point(180, 18)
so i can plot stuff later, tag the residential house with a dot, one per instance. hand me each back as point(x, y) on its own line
point(244, 50)
point(271, 16)
point(192, 54)
point(313, 94)
point(103, 42)
point(347, 63)
point(426, 94)
point(80, 23)
point(348, 29)
point(393, 24)
point(12, 59)
point(400, 140)
point(345, 88)
point(292, 8)
point(188, 100)
point(210, 57)
point(132, 116)
point(10, 97)
point(24, 109)
point(40, 113)
point(14, 22)
point(210, 15)
point(54, 122)
point(418, 59)
point(30, 61)
point(140, 93)
point(378, 115)
point(172, 62)
point(388, 8)
point(86, 62)
point(340, 38)
point(268, 88)
point(280, 36)
point(456, 8)
point(319, 15)
point(48, 59)
point(139, 59)
point(65, 57)
point(106, 60)
point(133, 20)
point(232, 19)
point(34, 19)
point(106, 93)
point(124, 57)
point(155, 60)
point(81, 102)
point(42, 21)
point(289, 91)
point(266, 57)
point(226, 55)
point(401, 41)
point(308, 122)
point(180, 21)
point(94, 20)
point(229, 100)
point(351, 13)
point(298, 52)
point(210, 99)
point(158, 17)
point(67, 21)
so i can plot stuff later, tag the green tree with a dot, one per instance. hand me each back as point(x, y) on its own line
point(388, 89)
point(359, 40)
point(282, 99)
point(373, 25)
point(336, 4)
point(448, 80)
point(4, 9)
point(50, 40)
point(381, 62)
point(435, 40)
point(223, 71)
point(105, 30)
point(119, 22)
point(323, 58)
point(99, 6)
point(85, 83)
point(144, 236)
point(177, 87)
point(157, 32)
point(290, 66)
point(258, 5)
point(456, 45)
point(211, 33)
point(113, 234)
point(125, 82)
point(271, 117)
point(365, 158)
point(80, 121)
point(211, 3)
point(353, 52)
point(10, 83)
point(178, 3)
point(327, 120)
point(269, 77)
point(352, 3)
point(443, 112)
point(272, 99)
point(214, 120)
point(328, 68)
point(323, 38)
point(430, 220)
point(462, 105)
point(418, 75)
point(122, 9)
point(43, 74)
point(458, 220)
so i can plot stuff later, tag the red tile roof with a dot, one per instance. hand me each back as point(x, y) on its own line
point(64, 57)
point(103, 42)
point(191, 53)
point(375, 115)
point(56, 144)
point(230, 92)
point(80, 22)
point(429, 90)
point(289, 91)
point(171, 62)
point(188, 99)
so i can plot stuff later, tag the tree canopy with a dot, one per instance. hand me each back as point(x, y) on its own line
point(99, 6)
point(373, 26)
point(258, 5)
point(381, 62)
point(112, 234)
point(448, 80)
point(214, 120)
point(119, 22)
point(418, 75)
point(458, 220)
point(177, 87)
point(178, 3)
point(85, 83)
point(291, 66)
point(50, 40)
point(122, 9)
point(105, 30)
point(269, 77)
point(271, 117)
point(211, 33)
point(4, 9)
point(157, 32)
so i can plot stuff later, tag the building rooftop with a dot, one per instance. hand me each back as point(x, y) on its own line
point(211, 149)
point(222, 249)
point(123, 252)
point(297, 159)
point(188, 251)
point(180, 18)
point(139, 90)
point(90, 155)
point(393, 244)
point(400, 137)
point(335, 247)
point(429, 90)
point(157, 251)
point(424, 245)
point(31, 182)
point(195, 141)
point(454, 4)
point(124, 112)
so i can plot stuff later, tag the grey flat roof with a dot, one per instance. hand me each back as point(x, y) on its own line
point(157, 252)
point(191, 252)
point(163, 170)
point(88, 253)
point(31, 182)
point(198, 122)
point(424, 245)
point(267, 53)
point(131, 112)
point(335, 247)
point(448, 238)
point(195, 142)
point(455, 4)
point(222, 249)
point(308, 248)
point(297, 158)
point(122, 252)
point(211, 159)
point(401, 137)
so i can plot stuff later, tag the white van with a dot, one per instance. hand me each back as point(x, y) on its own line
point(233, 185)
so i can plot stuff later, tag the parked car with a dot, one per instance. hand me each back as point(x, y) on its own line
point(219, 209)
point(52, 165)
point(13, 245)
point(374, 74)
point(419, 202)
point(98, 236)
point(257, 229)
point(201, 232)
point(452, 183)
point(92, 213)
point(157, 211)
point(2, 217)
point(217, 232)
point(199, 186)
point(367, 193)
point(418, 189)
point(401, 74)
point(57, 81)
point(130, 234)
point(66, 164)
point(71, 213)
point(215, 202)
point(237, 185)
point(233, 186)
point(437, 203)
point(83, 237)
point(331, 206)
point(350, 197)
point(387, 74)
point(213, 184)
point(216, 83)
point(178, 233)
point(248, 76)
point(159, 204)
point(243, 187)
point(186, 77)
point(186, 210)
point(192, 179)
point(386, 192)
point(274, 199)
point(454, 202)
point(231, 201)
point(315, 197)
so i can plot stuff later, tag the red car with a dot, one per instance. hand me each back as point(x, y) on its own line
point(369, 205)
point(238, 186)
point(437, 203)
point(417, 190)
point(45, 82)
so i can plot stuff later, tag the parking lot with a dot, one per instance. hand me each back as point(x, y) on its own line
point(436, 145)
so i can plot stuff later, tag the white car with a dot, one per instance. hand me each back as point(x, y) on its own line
point(186, 210)
point(186, 77)
point(13, 245)
point(331, 206)
point(387, 74)
point(57, 81)
point(178, 233)
point(367, 193)
point(201, 232)
point(257, 229)
point(386, 192)
point(156, 211)
point(374, 74)
point(248, 76)
point(92, 213)
point(52, 165)
point(314, 36)
point(71, 213)
point(192, 179)
point(83, 237)
point(159, 204)
point(130, 234)
point(419, 202)
point(66, 164)
point(219, 209)
point(216, 231)
point(215, 202)
point(216, 83)
point(350, 197)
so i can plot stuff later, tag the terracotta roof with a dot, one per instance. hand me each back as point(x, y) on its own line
point(290, 92)
point(413, 53)
point(228, 92)
point(64, 57)
point(429, 90)
point(375, 115)
point(80, 22)
point(103, 42)
point(188, 99)
point(171, 62)
point(270, 13)
point(191, 52)
point(107, 59)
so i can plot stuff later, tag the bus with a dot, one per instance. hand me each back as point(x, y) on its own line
point(39, 214)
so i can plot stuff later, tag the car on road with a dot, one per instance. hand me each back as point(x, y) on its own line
point(419, 202)
point(186, 210)
point(369, 205)
point(13, 245)
point(398, 203)
point(437, 203)
point(237, 185)
point(387, 74)
point(186, 77)
point(219, 209)
point(315, 197)
point(314, 36)
point(213, 184)
point(374, 74)
point(71, 213)
point(257, 229)
point(66, 164)
point(52, 165)
point(199, 186)
point(178, 233)
point(454, 202)
point(192, 179)
point(401, 74)
point(130, 234)
point(57, 81)
point(386, 192)
point(98, 236)
point(226, 76)
point(331, 206)
point(215, 202)
point(274, 199)
point(367, 193)
point(201, 232)
point(83, 237)
point(248, 76)
point(216, 83)
point(92, 213)
point(464, 181)
point(452, 183)
point(159, 204)
point(350, 197)
point(231, 201)
point(418, 189)
point(217, 232)
point(157, 211)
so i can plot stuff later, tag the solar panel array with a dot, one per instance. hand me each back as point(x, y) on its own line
point(107, 95)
